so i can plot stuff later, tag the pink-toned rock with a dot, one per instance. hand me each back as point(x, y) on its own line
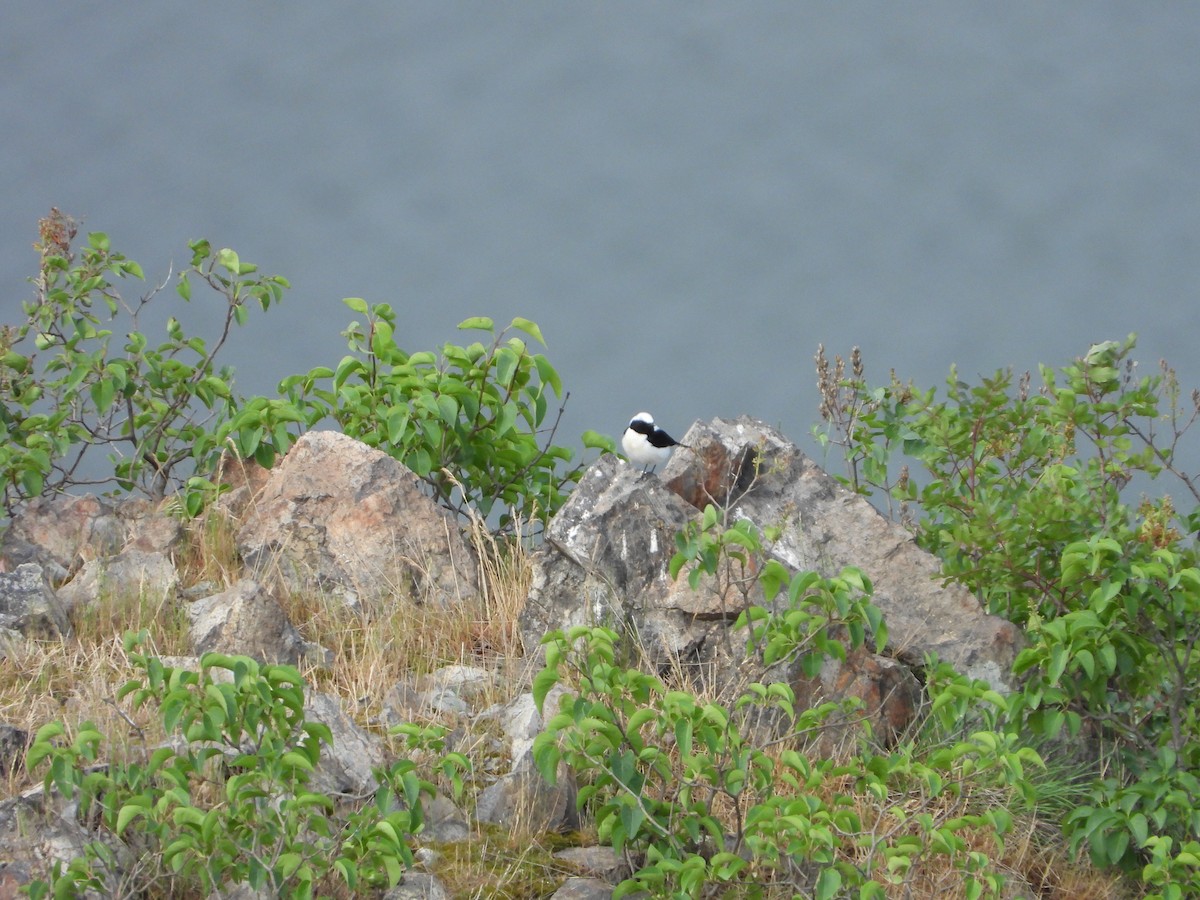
point(64, 532)
point(341, 517)
point(243, 481)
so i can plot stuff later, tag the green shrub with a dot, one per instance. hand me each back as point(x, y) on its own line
point(675, 781)
point(225, 799)
point(1021, 492)
point(476, 423)
point(66, 389)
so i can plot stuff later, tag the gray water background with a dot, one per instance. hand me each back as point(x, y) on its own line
point(687, 197)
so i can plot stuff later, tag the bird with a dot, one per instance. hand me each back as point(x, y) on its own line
point(646, 444)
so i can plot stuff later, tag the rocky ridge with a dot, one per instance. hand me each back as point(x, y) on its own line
point(338, 517)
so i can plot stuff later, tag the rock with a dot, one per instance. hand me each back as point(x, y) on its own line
point(138, 575)
point(606, 556)
point(38, 829)
point(28, 606)
point(522, 798)
point(598, 862)
point(604, 562)
point(888, 691)
point(417, 886)
point(583, 889)
point(519, 720)
point(243, 481)
point(826, 527)
point(444, 822)
point(63, 532)
point(147, 529)
point(14, 742)
point(415, 698)
point(339, 516)
point(247, 620)
point(347, 766)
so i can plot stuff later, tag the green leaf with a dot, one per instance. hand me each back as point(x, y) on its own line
point(476, 323)
point(594, 440)
point(229, 260)
point(356, 304)
point(530, 328)
point(828, 884)
point(542, 683)
point(127, 815)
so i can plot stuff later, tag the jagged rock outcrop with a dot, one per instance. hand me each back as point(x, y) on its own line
point(604, 562)
point(341, 517)
point(606, 557)
point(765, 478)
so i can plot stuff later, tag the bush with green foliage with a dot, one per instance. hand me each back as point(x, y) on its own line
point(477, 423)
point(1023, 495)
point(474, 422)
point(67, 390)
point(225, 799)
point(676, 782)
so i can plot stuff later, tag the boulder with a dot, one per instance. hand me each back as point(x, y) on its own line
point(523, 800)
point(577, 888)
point(445, 823)
point(599, 862)
point(606, 559)
point(63, 532)
point(341, 517)
point(138, 575)
point(417, 886)
point(28, 605)
point(247, 620)
point(604, 562)
point(825, 527)
point(346, 767)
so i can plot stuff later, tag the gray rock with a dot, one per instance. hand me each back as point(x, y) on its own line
point(444, 821)
point(13, 743)
point(417, 886)
point(339, 516)
point(826, 527)
point(604, 562)
point(346, 766)
point(597, 862)
point(523, 799)
point(29, 606)
point(247, 620)
point(583, 889)
point(138, 575)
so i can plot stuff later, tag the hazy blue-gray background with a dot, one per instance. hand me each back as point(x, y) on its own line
point(687, 197)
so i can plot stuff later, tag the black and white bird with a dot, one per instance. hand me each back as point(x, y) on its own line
point(645, 443)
